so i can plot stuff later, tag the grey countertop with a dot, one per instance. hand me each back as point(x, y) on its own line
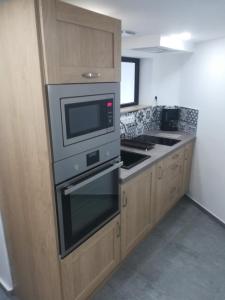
point(157, 153)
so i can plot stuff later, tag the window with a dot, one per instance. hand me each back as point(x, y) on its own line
point(129, 81)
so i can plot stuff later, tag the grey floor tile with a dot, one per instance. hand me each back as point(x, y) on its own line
point(220, 295)
point(178, 272)
point(107, 292)
point(204, 236)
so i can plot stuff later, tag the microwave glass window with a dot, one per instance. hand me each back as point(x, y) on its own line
point(82, 119)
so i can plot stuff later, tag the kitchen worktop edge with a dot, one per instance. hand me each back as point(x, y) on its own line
point(158, 153)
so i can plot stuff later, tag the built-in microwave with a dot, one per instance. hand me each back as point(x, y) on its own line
point(82, 117)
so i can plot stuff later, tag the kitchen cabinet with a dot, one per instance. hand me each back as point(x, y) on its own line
point(135, 210)
point(86, 267)
point(188, 151)
point(79, 45)
point(160, 189)
point(168, 182)
point(171, 181)
point(55, 43)
point(174, 175)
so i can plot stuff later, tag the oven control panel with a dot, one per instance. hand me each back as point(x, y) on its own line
point(92, 158)
point(80, 163)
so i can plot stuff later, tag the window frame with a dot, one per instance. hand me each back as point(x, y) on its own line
point(136, 61)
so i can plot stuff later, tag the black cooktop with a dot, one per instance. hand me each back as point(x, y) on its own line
point(156, 140)
point(147, 142)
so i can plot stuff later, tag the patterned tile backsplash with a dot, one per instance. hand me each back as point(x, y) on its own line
point(146, 119)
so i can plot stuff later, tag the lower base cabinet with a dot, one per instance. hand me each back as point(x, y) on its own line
point(168, 184)
point(87, 267)
point(135, 210)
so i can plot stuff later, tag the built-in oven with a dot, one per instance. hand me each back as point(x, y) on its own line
point(86, 203)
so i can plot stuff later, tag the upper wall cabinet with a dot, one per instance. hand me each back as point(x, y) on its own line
point(78, 45)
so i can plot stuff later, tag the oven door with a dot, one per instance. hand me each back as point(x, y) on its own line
point(86, 204)
point(86, 117)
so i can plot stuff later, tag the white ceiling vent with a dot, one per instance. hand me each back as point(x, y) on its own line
point(144, 46)
point(156, 49)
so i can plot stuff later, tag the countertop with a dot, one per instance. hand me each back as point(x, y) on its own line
point(157, 153)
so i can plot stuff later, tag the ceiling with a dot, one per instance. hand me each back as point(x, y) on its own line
point(204, 19)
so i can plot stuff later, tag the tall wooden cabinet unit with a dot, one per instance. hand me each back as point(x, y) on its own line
point(135, 210)
point(26, 186)
point(79, 45)
point(42, 42)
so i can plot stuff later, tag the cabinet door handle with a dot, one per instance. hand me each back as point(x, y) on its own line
point(160, 172)
point(118, 229)
point(91, 75)
point(124, 199)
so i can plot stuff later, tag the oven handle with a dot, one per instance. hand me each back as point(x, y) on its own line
point(75, 187)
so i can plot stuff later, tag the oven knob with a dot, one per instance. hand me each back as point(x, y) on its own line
point(76, 167)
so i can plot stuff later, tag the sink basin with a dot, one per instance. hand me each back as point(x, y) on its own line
point(131, 159)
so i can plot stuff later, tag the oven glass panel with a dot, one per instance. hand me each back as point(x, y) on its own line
point(89, 207)
point(86, 117)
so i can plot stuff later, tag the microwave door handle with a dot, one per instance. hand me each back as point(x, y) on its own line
point(73, 188)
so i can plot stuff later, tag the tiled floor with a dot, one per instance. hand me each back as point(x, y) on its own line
point(182, 259)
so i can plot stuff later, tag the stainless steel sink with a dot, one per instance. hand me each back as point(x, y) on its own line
point(131, 159)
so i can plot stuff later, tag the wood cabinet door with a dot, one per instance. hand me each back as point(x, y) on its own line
point(174, 175)
point(160, 190)
point(79, 45)
point(168, 183)
point(135, 210)
point(87, 266)
point(188, 150)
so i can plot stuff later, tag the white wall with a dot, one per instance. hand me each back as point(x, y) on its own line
point(203, 86)
point(5, 276)
point(160, 76)
point(198, 81)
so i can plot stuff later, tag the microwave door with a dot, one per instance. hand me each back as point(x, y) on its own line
point(86, 117)
point(86, 206)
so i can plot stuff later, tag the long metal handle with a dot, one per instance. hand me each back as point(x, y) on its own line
point(118, 229)
point(91, 75)
point(77, 186)
point(124, 199)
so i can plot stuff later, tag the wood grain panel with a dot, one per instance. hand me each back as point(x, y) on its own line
point(76, 41)
point(95, 50)
point(27, 198)
point(85, 268)
point(135, 210)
